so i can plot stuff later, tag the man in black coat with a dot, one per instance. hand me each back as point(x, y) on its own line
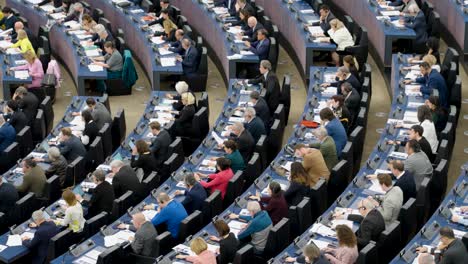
point(160, 144)
point(9, 19)
point(449, 250)
point(27, 102)
point(254, 124)
point(125, 179)
point(344, 75)
point(39, 245)
point(176, 46)
point(270, 84)
point(242, 5)
point(194, 196)
point(404, 179)
point(70, 146)
point(102, 198)
point(244, 140)
point(352, 99)
point(261, 107)
point(14, 116)
point(8, 196)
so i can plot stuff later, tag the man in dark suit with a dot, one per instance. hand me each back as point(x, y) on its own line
point(244, 140)
point(39, 245)
point(101, 36)
point(251, 34)
point(371, 222)
point(70, 146)
point(261, 47)
point(9, 19)
point(241, 5)
point(143, 242)
point(7, 134)
point(344, 75)
point(404, 179)
point(102, 198)
point(165, 4)
point(99, 112)
point(449, 250)
point(160, 144)
point(261, 107)
point(8, 196)
point(190, 60)
point(270, 84)
point(14, 116)
point(430, 80)
point(176, 46)
point(194, 196)
point(417, 21)
point(325, 17)
point(77, 15)
point(352, 99)
point(27, 102)
point(229, 4)
point(254, 124)
point(125, 179)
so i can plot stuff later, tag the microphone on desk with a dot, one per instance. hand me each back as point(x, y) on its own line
point(465, 10)
point(401, 84)
point(387, 23)
point(72, 247)
point(317, 74)
point(400, 57)
point(6, 61)
point(83, 62)
point(401, 98)
point(316, 87)
point(229, 37)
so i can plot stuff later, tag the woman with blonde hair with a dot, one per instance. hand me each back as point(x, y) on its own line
point(34, 67)
point(73, 213)
point(23, 43)
point(183, 121)
point(340, 36)
point(202, 254)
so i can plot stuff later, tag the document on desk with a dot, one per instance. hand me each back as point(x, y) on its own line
point(413, 74)
point(117, 238)
point(34, 2)
point(13, 51)
point(2, 247)
point(218, 139)
point(345, 222)
point(157, 28)
point(236, 226)
point(37, 154)
point(21, 62)
point(85, 260)
point(376, 187)
point(163, 108)
point(92, 53)
point(164, 51)
point(307, 11)
point(236, 119)
point(95, 68)
point(93, 254)
point(398, 155)
point(21, 74)
point(181, 248)
point(48, 8)
point(157, 40)
point(323, 230)
point(319, 243)
point(390, 13)
point(149, 214)
point(74, 24)
point(104, 167)
point(14, 241)
point(220, 10)
point(29, 235)
point(168, 62)
point(397, 24)
point(330, 91)
point(5, 44)
point(89, 185)
point(315, 30)
point(287, 166)
point(58, 16)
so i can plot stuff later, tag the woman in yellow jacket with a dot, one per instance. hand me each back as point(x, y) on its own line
point(23, 42)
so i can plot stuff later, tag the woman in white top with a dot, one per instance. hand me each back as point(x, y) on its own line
point(73, 214)
point(425, 117)
point(339, 35)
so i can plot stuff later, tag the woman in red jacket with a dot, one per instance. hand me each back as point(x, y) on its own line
point(218, 181)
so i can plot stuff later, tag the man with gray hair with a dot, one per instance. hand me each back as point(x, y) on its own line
point(425, 258)
point(258, 227)
point(344, 75)
point(78, 12)
point(243, 138)
point(189, 60)
point(270, 83)
point(101, 37)
point(194, 195)
point(254, 124)
point(58, 166)
point(416, 21)
point(124, 179)
point(327, 147)
point(39, 245)
point(251, 34)
point(103, 195)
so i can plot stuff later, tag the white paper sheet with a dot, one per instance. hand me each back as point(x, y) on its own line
point(14, 241)
point(2, 247)
point(319, 243)
point(21, 74)
point(164, 51)
point(149, 214)
point(168, 62)
point(93, 254)
point(95, 68)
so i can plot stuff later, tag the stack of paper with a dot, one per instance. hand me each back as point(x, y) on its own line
point(157, 40)
point(234, 30)
point(34, 2)
point(319, 243)
point(5, 44)
point(336, 222)
point(149, 214)
point(390, 13)
point(89, 185)
point(13, 51)
point(2, 247)
point(376, 187)
point(117, 238)
point(37, 154)
point(14, 241)
point(322, 230)
point(157, 28)
point(20, 62)
point(137, 11)
point(235, 226)
point(95, 68)
point(164, 51)
point(397, 24)
point(246, 53)
point(315, 30)
point(103, 167)
point(307, 11)
point(48, 8)
point(168, 62)
point(184, 249)
point(236, 119)
point(58, 16)
point(398, 155)
point(21, 74)
point(92, 53)
point(84, 36)
point(220, 10)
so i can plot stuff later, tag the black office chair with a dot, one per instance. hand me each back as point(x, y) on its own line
point(94, 224)
point(408, 222)
point(170, 165)
point(388, 242)
point(75, 172)
point(190, 225)
point(46, 106)
point(438, 185)
point(43, 42)
point(361, 119)
point(203, 102)
point(60, 243)
point(147, 5)
point(427, 8)
point(278, 239)
point(104, 99)
point(197, 80)
point(45, 59)
point(300, 217)
point(95, 154)
point(338, 181)
point(9, 157)
point(261, 149)
point(442, 152)
point(280, 115)
point(212, 206)
point(234, 188)
point(360, 49)
point(118, 129)
point(451, 55)
point(97, 14)
point(273, 53)
point(318, 198)
point(347, 154)
point(52, 190)
point(422, 202)
point(151, 182)
point(3, 222)
point(453, 116)
point(285, 98)
point(120, 44)
point(275, 140)
point(188, 31)
point(434, 25)
point(24, 207)
point(181, 21)
point(456, 93)
point(349, 23)
point(365, 100)
point(24, 138)
point(121, 205)
point(244, 255)
point(176, 147)
point(111, 255)
point(106, 23)
point(368, 254)
point(252, 170)
point(39, 127)
point(106, 138)
point(200, 126)
point(357, 137)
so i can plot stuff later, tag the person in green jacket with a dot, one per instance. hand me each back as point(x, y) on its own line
point(327, 147)
point(233, 154)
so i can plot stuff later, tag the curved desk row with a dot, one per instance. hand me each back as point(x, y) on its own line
point(64, 46)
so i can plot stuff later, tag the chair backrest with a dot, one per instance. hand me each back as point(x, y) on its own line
point(234, 188)
point(273, 53)
point(261, 149)
point(318, 199)
point(451, 55)
point(203, 61)
point(422, 201)
point(75, 172)
point(349, 23)
point(146, 5)
point(106, 23)
point(10, 156)
point(170, 165)
point(347, 153)
point(438, 184)
point(120, 44)
point(53, 189)
point(275, 140)
point(24, 207)
point(203, 102)
point(368, 254)
point(456, 92)
point(190, 225)
point(119, 129)
point(104, 99)
point(39, 127)
point(339, 177)
point(60, 243)
point(110, 255)
point(46, 106)
point(44, 43)
point(97, 14)
point(200, 123)
point(212, 206)
point(280, 115)
point(106, 138)
point(390, 237)
point(151, 182)
point(244, 255)
point(253, 169)
point(408, 221)
point(24, 138)
point(286, 97)
point(434, 28)
point(95, 155)
point(176, 147)
point(121, 204)
point(181, 21)
point(357, 137)
point(300, 217)
point(188, 31)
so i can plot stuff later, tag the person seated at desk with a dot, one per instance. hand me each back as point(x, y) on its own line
point(170, 212)
point(58, 165)
point(439, 114)
point(425, 258)
point(7, 134)
point(352, 99)
point(160, 143)
point(88, 23)
point(78, 12)
point(430, 59)
point(99, 112)
point(146, 160)
point(73, 219)
point(228, 243)
point(260, 106)
point(8, 196)
point(124, 179)
point(70, 146)
point(311, 255)
point(218, 181)
point(27, 102)
point(164, 5)
point(371, 222)
point(101, 37)
point(242, 23)
point(229, 4)
point(102, 198)
point(270, 83)
point(261, 47)
point(334, 128)
point(112, 61)
point(39, 244)
point(91, 130)
point(416, 21)
point(239, 6)
point(459, 219)
point(233, 154)
point(34, 67)
point(190, 58)
point(347, 251)
point(176, 46)
point(34, 179)
point(9, 19)
point(274, 203)
point(202, 254)
point(416, 132)
point(432, 45)
point(350, 62)
point(339, 35)
point(389, 205)
point(417, 162)
point(344, 75)
point(23, 43)
point(449, 250)
point(168, 25)
point(181, 87)
point(143, 241)
point(425, 117)
point(195, 194)
point(16, 118)
point(313, 163)
point(250, 34)
point(327, 147)
point(254, 124)
point(243, 138)
point(183, 121)
point(399, 5)
point(326, 16)
point(258, 227)
point(337, 105)
point(299, 184)
point(20, 26)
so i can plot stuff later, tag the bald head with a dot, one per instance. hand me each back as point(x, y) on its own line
point(138, 220)
point(252, 21)
point(19, 25)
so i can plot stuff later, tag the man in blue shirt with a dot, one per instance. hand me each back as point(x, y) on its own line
point(334, 128)
point(170, 212)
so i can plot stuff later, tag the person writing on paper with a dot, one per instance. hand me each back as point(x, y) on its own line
point(23, 43)
point(228, 242)
point(371, 222)
point(39, 245)
point(170, 212)
point(146, 160)
point(311, 255)
point(195, 194)
point(299, 184)
point(389, 205)
point(258, 227)
point(143, 241)
point(176, 45)
point(347, 251)
point(218, 181)
point(112, 61)
point(70, 145)
point(202, 254)
point(34, 179)
point(313, 163)
point(340, 36)
point(274, 203)
point(73, 213)
point(461, 219)
point(102, 198)
point(34, 67)
point(449, 250)
point(336, 103)
point(233, 154)
point(327, 147)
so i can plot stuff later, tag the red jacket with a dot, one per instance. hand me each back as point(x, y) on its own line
point(219, 181)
